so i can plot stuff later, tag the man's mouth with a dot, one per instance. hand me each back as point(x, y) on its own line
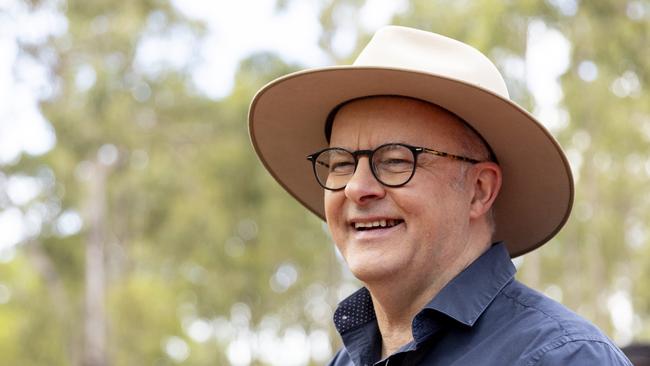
point(377, 224)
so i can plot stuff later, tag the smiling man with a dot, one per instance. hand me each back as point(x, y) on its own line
point(430, 179)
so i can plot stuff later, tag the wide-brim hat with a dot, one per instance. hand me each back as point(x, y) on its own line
point(287, 122)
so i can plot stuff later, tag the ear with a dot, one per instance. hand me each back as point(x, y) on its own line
point(486, 186)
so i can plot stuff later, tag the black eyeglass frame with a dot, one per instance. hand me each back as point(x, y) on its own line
point(415, 150)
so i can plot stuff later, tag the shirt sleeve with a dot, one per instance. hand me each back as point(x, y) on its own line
point(583, 353)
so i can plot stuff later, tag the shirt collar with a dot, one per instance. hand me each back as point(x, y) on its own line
point(355, 310)
point(467, 296)
point(463, 299)
point(355, 321)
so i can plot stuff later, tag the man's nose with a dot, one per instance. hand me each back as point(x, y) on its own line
point(363, 186)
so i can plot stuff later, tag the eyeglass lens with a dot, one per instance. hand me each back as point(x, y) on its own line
point(391, 164)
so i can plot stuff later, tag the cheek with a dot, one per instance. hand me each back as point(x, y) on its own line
point(332, 206)
point(427, 213)
point(417, 203)
point(333, 212)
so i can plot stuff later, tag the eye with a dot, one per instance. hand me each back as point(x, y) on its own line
point(394, 159)
point(335, 161)
point(342, 167)
point(395, 165)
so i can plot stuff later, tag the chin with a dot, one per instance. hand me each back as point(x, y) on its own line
point(370, 272)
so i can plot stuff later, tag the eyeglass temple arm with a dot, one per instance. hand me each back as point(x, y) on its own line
point(448, 155)
point(312, 158)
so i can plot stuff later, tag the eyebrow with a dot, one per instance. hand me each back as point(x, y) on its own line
point(377, 145)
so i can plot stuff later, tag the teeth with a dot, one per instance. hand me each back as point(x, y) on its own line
point(378, 223)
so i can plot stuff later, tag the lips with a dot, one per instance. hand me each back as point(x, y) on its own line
point(365, 225)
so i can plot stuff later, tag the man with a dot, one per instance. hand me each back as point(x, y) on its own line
point(430, 180)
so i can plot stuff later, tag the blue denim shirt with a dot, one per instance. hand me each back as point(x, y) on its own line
point(482, 317)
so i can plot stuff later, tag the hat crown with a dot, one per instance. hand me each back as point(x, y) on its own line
point(417, 50)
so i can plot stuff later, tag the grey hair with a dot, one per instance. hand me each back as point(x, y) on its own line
point(474, 146)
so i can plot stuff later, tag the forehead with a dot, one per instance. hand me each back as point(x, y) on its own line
point(372, 121)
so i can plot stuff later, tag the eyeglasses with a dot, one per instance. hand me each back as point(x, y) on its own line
point(393, 164)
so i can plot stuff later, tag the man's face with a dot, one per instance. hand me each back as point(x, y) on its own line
point(429, 214)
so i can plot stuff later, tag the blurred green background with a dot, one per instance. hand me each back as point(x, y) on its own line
point(138, 228)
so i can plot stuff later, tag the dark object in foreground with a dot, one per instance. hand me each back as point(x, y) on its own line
point(638, 353)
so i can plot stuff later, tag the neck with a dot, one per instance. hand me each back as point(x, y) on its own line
point(397, 304)
point(398, 299)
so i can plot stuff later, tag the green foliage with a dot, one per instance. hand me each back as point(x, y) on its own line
point(146, 303)
point(190, 223)
point(29, 319)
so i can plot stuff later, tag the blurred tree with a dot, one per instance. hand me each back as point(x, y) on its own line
point(182, 227)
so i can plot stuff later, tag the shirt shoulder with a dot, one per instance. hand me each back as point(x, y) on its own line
point(556, 334)
point(579, 353)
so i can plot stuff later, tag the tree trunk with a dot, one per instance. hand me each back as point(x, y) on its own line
point(95, 314)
